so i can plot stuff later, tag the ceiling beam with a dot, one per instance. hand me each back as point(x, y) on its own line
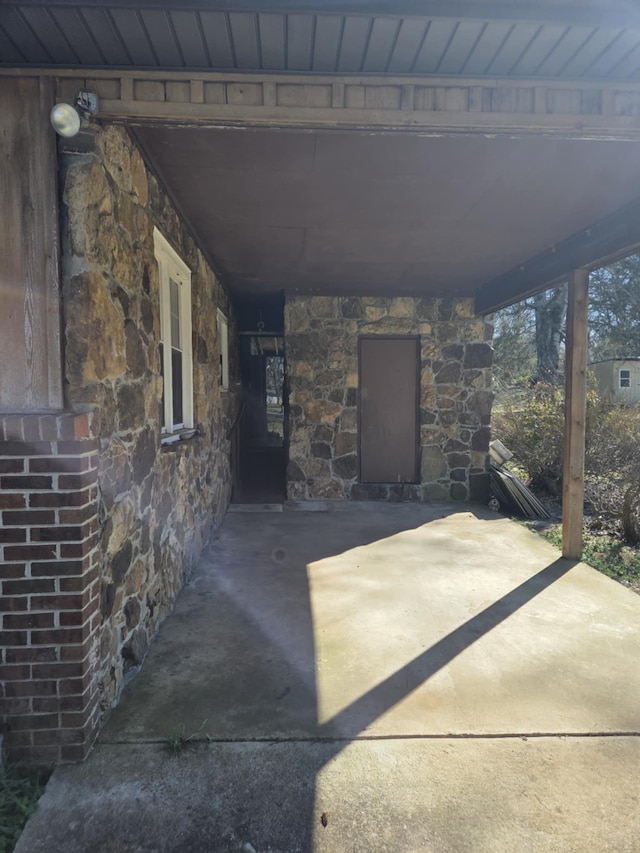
point(613, 237)
point(595, 13)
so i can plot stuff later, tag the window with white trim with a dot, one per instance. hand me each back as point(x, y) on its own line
point(625, 378)
point(176, 359)
point(223, 337)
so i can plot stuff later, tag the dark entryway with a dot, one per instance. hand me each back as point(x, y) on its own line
point(261, 430)
point(388, 429)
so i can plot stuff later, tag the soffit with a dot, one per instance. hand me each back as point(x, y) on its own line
point(352, 212)
point(573, 39)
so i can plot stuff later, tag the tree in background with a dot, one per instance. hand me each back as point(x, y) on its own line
point(550, 309)
point(614, 310)
point(529, 336)
point(514, 357)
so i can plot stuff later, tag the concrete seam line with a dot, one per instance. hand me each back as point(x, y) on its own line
point(369, 738)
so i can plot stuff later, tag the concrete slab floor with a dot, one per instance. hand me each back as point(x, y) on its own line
point(431, 677)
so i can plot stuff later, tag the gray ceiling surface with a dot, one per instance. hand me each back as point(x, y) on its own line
point(348, 212)
point(574, 39)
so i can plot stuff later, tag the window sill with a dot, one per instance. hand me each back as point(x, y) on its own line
point(171, 439)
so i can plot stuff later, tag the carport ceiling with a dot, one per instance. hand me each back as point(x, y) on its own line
point(358, 213)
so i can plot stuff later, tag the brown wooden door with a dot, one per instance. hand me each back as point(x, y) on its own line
point(388, 428)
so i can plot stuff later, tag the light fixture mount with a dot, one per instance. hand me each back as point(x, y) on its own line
point(86, 103)
point(67, 119)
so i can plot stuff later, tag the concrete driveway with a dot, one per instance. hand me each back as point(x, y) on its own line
point(394, 677)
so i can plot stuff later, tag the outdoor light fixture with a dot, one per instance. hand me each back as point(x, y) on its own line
point(67, 119)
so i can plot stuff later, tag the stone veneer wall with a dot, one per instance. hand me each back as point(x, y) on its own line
point(321, 341)
point(156, 505)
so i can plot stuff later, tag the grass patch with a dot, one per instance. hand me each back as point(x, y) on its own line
point(20, 791)
point(179, 740)
point(605, 552)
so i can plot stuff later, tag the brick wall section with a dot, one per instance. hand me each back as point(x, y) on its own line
point(49, 609)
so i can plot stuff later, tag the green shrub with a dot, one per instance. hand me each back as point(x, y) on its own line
point(532, 427)
point(20, 791)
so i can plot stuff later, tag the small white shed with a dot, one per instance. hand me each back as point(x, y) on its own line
point(618, 379)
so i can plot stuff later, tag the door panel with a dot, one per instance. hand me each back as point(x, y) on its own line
point(388, 421)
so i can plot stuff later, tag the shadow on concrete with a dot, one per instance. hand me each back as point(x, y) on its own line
point(236, 666)
point(404, 681)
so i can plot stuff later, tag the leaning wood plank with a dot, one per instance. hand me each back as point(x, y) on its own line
point(575, 415)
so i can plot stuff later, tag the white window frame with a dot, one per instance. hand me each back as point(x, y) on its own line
point(626, 377)
point(223, 338)
point(171, 266)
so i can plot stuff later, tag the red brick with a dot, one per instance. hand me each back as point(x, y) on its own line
point(75, 751)
point(57, 534)
point(75, 448)
point(72, 584)
point(57, 670)
point(57, 465)
point(26, 482)
point(29, 516)
point(44, 756)
point(31, 688)
point(30, 552)
point(10, 707)
point(73, 686)
point(30, 655)
point(73, 653)
point(73, 720)
point(57, 602)
point(57, 568)
point(14, 605)
point(57, 636)
point(27, 620)
point(66, 499)
point(12, 535)
point(15, 672)
point(12, 571)
point(14, 501)
point(45, 704)
point(74, 426)
point(28, 448)
point(78, 549)
point(27, 586)
point(35, 721)
point(78, 584)
point(77, 516)
point(13, 638)
point(73, 703)
point(76, 482)
point(47, 739)
point(19, 738)
point(70, 618)
point(11, 466)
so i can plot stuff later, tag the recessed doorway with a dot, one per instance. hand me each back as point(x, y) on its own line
point(261, 432)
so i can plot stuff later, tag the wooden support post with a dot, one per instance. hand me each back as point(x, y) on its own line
point(575, 415)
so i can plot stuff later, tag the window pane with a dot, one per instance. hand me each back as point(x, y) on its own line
point(176, 385)
point(174, 301)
